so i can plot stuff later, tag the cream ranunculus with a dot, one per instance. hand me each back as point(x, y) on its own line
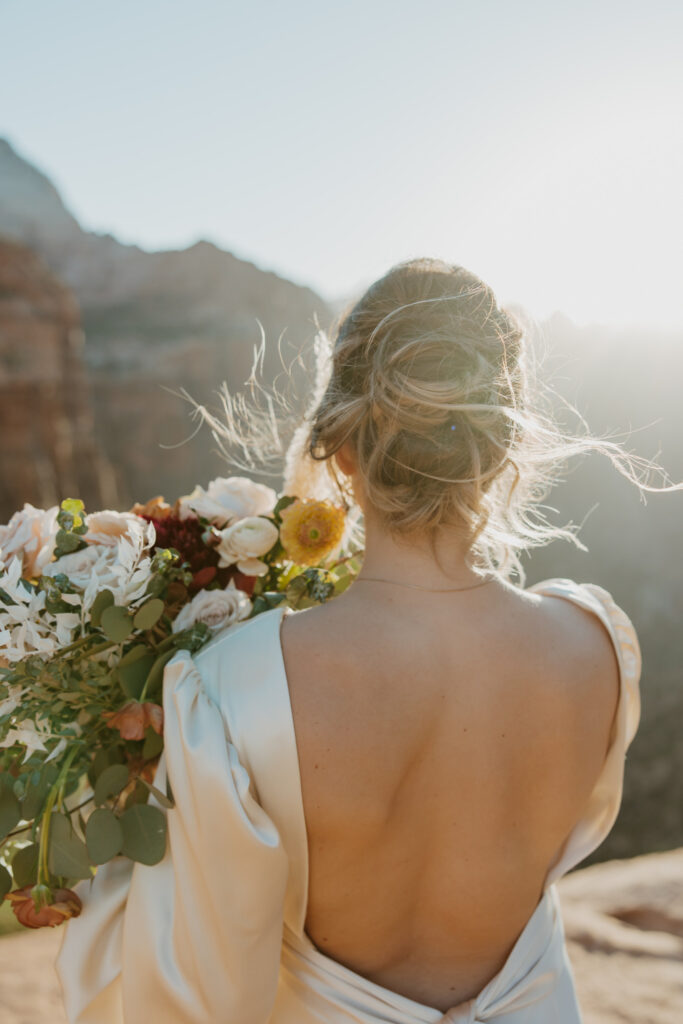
point(228, 499)
point(124, 568)
point(215, 608)
point(30, 534)
point(109, 527)
point(244, 542)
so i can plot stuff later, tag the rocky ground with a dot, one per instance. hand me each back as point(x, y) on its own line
point(624, 925)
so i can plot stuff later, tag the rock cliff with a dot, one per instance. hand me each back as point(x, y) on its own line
point(156, 322)
point(46, 416)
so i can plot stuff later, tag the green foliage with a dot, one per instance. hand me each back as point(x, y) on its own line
point(103, 835)
point(72, 527)
point(133, 673)
point(37, 786)
point(144, 833)
point(312, 586)
point(5, 882)
point(153, 745)
point(25, 865)
point(104, 600)
point(67, 853)
point(148, 614)
point(110, 782)
point(10, 811)
point(117, 623)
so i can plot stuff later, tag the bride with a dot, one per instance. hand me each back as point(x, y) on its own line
point(375, 797)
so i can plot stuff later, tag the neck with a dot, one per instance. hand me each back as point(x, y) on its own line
point(391, 557)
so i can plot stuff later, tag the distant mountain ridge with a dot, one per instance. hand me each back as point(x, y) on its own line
point(159, 322)
point(123, 290)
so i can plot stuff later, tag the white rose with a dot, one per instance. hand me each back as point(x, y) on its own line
point(227, 499)
point(215, 608)
point(124, 569)
point(80, 566)
point(244, 542)
point(109, 527)
point(30, 534)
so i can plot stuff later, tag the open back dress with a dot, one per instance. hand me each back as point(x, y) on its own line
point(214, 933)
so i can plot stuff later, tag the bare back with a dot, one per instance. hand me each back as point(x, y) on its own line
point(446, 746)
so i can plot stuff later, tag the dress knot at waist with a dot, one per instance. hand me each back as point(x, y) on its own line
point(536, 966)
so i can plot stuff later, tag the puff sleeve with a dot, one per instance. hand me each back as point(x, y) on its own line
point(197, 937)
point(604, 802)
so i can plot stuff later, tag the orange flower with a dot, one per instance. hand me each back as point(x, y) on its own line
point(311, 530)
point(133, 718)
point(157, 508)
point(65, 904)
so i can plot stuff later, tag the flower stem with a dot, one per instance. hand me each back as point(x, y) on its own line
point(55, 791)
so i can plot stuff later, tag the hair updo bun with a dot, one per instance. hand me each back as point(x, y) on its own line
point(425, 369)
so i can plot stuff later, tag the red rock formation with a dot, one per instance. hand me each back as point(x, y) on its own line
point(48, 450)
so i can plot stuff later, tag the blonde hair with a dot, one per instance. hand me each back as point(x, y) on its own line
point(432, 384)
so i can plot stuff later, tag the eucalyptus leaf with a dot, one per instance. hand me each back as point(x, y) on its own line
point(67, 855)
point(144, 833)
point(25, 865)
point(116, 623)
point(34, 798)
point(149, 614)
point(153, 745)
point(156, 673)
point(158, 795)
point(133, 676)
point(134, 654)
point(5, 882)
point(103, 835)
point(10, 811)
point(104, 757)
point(138, 795)
point(104, 599)
point(110, 782)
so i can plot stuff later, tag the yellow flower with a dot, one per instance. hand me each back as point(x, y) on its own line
point(311, 530)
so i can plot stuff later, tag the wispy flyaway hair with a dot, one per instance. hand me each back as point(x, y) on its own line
point(433, 385)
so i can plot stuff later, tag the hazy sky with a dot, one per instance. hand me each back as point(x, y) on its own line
point(536, 142)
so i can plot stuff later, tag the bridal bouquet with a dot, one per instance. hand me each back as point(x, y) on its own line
point(92, 607)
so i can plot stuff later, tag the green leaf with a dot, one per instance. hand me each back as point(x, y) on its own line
point(36, 791)
point(103, 835)
point(138, 795)
point(156, 673)
point(144, 833)
point(153, 745)
point(67, 854)
point(133, 676)
point(66, 543)
point(104, 600)
point(158, 795)
point(110, 782)
point(116, 623)
point(284, 501)
point(10, 811)
point(149, 614)
point(5, 882)
point(25, 865)
point(102, 759)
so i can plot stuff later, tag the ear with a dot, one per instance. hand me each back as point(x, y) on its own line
point(345, 459)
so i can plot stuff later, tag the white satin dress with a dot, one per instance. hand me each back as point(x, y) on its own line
point(214, 933)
